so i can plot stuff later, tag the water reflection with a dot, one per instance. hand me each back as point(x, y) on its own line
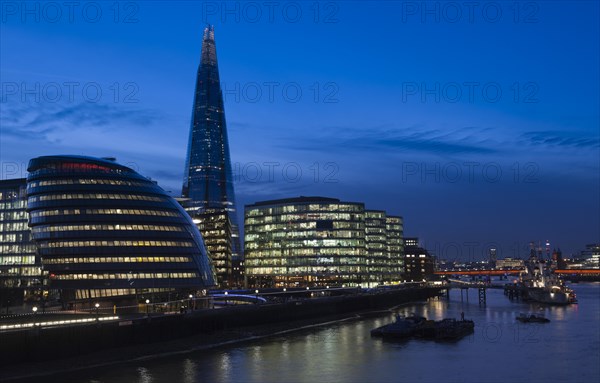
point(500, 349)
point(224, 366)
point(189, 371)
point(255, 365)
point(144, 375)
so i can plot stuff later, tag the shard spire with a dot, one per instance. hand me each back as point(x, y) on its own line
point(208, 180)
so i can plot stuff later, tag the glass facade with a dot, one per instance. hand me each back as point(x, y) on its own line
point(376, 241)
point(20, 267)
point(102, 230)
point(315, 241)
point(208, 182)
point(239, 272)
point(395, 246)
point(216, 232)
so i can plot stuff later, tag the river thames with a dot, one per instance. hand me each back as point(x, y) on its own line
point(500, 350)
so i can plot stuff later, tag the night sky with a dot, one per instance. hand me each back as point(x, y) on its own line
point(480, 126)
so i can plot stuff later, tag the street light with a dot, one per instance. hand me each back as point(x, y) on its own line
point(35, 309)
point(97, 305)
point(147, 306)
point(191, 302)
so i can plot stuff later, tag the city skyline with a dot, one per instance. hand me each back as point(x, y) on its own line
point(379, 118)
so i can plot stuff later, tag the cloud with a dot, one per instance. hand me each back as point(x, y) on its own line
point(560, 139)
point(94, 114)
point(466, 140)
point(47, 121)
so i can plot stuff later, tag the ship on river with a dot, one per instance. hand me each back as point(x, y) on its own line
point(540, 285)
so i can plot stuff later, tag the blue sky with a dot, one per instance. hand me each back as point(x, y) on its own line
point(480, 126)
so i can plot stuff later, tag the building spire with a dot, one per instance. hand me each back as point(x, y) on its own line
point(208, 179)
point(209, 32)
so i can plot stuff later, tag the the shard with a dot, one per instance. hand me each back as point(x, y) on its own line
point(208, 184)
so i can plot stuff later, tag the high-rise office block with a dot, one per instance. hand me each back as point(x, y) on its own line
point(591, 256)
point(395, 246)
point(493, 257)
point(214, 224)
point(376, 244)
point(208, 184)
point(20, 267)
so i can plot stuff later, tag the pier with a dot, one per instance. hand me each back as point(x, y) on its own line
point(464, 287)
point(515, 292)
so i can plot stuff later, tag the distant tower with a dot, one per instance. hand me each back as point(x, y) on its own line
point(532, 252)
point(557, 260)
point(493, 257)
point(208, 183)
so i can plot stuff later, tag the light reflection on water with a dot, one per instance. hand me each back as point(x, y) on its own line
point(225, 367)
point(501, 350)
point(189, 371)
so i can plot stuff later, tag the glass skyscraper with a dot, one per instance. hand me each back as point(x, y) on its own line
point(208, 193)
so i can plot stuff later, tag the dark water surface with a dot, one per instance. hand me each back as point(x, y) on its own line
point(501, 350)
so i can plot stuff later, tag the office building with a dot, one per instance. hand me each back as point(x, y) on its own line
point(238, 275)
point(395, 246)
point(318, 241)
point(419, 264)
point(378, 259)
point(104, 231)
point(21, 277)
point(509, 264)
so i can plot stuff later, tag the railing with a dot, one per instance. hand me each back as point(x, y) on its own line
point(182, 306)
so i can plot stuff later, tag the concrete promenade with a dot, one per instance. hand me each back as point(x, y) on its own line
point(42, 344)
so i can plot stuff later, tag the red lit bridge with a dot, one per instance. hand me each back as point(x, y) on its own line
point(479, 272)
point(583, 273)
point(576, 275)
point(577, 271)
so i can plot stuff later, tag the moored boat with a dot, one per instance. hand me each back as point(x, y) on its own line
point(419, 327)
point(532, 318)
point(554, 295)
point(402, 327)
point(452, 329)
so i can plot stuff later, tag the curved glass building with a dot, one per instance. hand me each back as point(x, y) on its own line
point(103, 230)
